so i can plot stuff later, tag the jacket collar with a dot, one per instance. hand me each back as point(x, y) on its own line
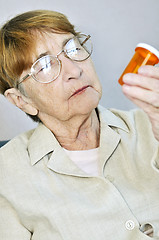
point(43, 142)
point(110, 118)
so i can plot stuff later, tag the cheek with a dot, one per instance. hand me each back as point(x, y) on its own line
point(38, 93)
point(92, 75)
point(89, 69)
point(48, 98)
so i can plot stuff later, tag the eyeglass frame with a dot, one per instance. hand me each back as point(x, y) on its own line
point(59, 62)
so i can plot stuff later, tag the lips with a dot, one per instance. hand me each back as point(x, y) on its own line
point(80, 90)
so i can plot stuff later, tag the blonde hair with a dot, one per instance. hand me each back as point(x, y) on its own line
point(17, 42)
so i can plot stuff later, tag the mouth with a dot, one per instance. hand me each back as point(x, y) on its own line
point(80, 91)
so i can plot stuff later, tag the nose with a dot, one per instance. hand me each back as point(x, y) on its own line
point(70, 69)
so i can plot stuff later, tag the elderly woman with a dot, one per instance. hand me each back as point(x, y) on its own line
point(85, 172)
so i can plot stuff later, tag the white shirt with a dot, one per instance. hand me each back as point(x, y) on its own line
point(87, 160)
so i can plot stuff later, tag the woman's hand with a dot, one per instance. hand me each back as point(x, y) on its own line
point(143, 90)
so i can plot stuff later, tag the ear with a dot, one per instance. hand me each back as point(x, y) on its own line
point(18, 99)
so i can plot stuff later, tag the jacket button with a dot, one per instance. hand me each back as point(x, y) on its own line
point(129, 225)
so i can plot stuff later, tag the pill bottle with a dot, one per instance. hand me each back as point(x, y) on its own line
point(144, 55)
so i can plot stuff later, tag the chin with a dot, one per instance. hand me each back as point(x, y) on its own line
point(87, 106)
point(85, 103)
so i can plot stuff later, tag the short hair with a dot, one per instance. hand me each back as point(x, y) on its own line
point(17, 41)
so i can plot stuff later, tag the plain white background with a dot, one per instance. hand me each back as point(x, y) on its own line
point(116, 27)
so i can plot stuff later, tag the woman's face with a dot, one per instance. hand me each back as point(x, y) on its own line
point(77, 89)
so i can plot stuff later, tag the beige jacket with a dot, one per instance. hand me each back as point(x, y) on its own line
point(45, 196)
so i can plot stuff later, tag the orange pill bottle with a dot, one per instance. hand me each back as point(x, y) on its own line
point(144, 55)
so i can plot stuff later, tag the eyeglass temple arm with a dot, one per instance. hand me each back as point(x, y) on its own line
point(85, 40)
point(28, 75)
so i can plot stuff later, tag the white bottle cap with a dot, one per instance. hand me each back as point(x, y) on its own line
point(150, 48)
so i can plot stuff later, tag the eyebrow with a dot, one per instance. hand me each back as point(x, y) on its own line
point(42, 55)
point(67, 40)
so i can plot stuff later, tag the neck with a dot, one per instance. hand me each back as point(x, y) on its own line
point(78, 133)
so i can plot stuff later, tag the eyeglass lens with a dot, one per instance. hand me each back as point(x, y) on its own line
point(47, 68)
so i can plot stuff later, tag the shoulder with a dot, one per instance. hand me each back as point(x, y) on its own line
point(131, 119)
point(16, 142)
point(133, 122)
point(135, 119)
point(27, 147)
point(15, 149)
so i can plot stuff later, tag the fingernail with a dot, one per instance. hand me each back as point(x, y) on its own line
point(126, 77)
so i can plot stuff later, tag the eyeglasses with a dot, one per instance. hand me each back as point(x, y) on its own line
point(47, 68)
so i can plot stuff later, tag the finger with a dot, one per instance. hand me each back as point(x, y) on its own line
point(141, 94)
point(148, 108)
point(141, 81)
point(149, 71)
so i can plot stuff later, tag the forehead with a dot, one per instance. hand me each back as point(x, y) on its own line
point(50, 42)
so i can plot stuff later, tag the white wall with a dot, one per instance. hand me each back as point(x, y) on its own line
point(116, 27)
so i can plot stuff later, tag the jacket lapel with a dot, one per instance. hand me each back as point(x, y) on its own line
point(43, 143)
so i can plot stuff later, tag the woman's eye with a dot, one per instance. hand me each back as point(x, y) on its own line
point(48, 64)
point(45, 67)
point(74, 50)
